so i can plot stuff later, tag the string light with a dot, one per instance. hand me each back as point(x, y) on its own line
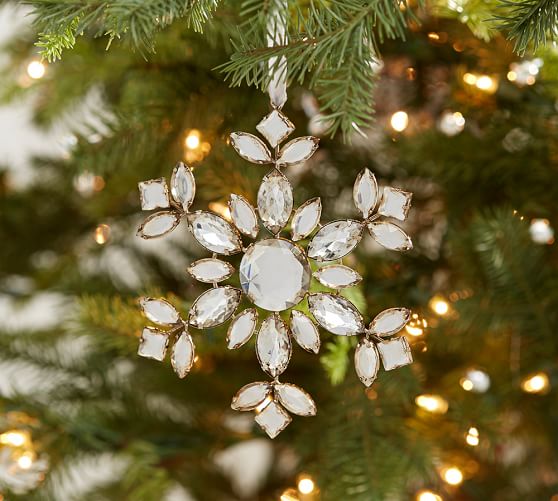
point(535, 383)
point(36, 70)
point(486, 83)
point(475, 380)
point(415, 326)
point(428, 496)
point(289, 495)
point(439, 305)
point(541, 232)
point(451, 123)
point(432, 403)
point(25, 461)
point(452, 475)
point(525, 72)
point(472, 437)
point(192, 140)
point(102, 234)
point(305, 485)
point(15, 438)
point(399, 121)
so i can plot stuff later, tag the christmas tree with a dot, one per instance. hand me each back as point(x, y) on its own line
point(453, 101)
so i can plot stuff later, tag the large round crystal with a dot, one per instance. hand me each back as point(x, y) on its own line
point(275, 274)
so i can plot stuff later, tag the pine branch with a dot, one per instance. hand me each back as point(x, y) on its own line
point(136, 21)
point(529, 22)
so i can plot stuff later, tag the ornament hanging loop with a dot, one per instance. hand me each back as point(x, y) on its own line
point(277, 36)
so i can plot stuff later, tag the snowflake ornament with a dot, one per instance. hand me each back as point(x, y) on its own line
point(275, 273)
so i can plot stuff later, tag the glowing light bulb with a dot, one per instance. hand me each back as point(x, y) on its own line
point(475, 380)
point(512, 76)
point(428, 496)
point(289, 495)
point(36, 70)
point(102, 234)
point(192, 140)
point(306, 485)
point(541, 232)
point(415, 326)
point(25, 461)
point(399, 121)
point(470, 79)
point(484, 82)
point(452, 475)
point(432, 403)
point(14, 438)
point(439, 305)
point(472, 437)
point(535, 383)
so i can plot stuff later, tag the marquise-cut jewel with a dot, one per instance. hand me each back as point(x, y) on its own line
point(243, 215)
point(367, 361)
point(336, 314)
point(182, 357)
point(306, 218)
point(250, 396)
point(159, 311)
point(275, 201)
point(241, 329)
point(154, 194)
point(210, 270)
point(275, 127)
point(365, 193)
point(214, 233)
point(251, 148)
point(273, 346)
point(214, 307)
point(158, 224)
point(390, 321)
point(395, 353)
point(274, 274)
point(295, 399)
point(153, 344)
point(395, 203)
point(337, 276)
point(183, 186)
point(298, 150)
point(335, 240)
point(273, 419)
point(390, 236)
point(305, 332)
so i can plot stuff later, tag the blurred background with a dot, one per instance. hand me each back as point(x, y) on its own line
point(461, 121)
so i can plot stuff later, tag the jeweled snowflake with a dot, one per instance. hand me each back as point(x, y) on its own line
point(275, 273)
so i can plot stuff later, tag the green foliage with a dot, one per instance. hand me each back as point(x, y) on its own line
point(53, 44)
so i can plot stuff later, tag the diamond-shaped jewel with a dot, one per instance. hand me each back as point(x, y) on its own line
point(214, 232)
point(273, 346)
point(243, 215)
point(295, 399)
point(395, 203)
point(298, 150)
point(183, 186)
point(305, 332)
point(241, 329)
point(336, 314)
point(390, 236)
point(390, 321)
point(273, 419)
point(159, 311)
point(214, 307)
point(395, 353)
point(250, 396)
point(153, 344)
point(337, 276)
point(306, 218)
point(367, 361)
point(365, 193)
point(275, 127)
point(251, 148)
point(335, 240)
point(158, 224)
point(275, 201)
point(210, 270)
point(182, 357)
point(154, 194)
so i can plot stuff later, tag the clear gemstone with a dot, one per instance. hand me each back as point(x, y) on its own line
point(183, 185)
point(395, 203)
point(273, 419)
point(243, 215)
point(395, 353)
point(305, 332)
point(275, 127)
point(241, 329)
point(390, 321)
point(337, 276)
point(273, 346)
point(251, 148)
point(365, 193)
point(214, 233)
point(210, 270)
point(295, 399)
point(154, 194)
point(336, 314)
point(153, 344)
point(298, 150)
point(306, 218)
point(214, 307)
point(182, 357)
point(335, 240)
point(250, 396)
point(275, 201)
point(158, 224)
point(274, 274)
point(159, 311)
point(367, 361)
point(390, 236)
